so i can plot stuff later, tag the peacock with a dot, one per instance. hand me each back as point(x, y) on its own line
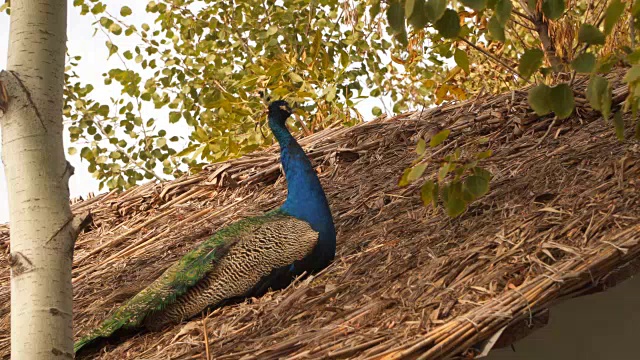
point(243, 259)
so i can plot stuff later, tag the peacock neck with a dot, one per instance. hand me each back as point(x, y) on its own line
point(305, 198)
point(282, 134)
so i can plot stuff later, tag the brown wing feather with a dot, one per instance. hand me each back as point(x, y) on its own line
point(274, 244)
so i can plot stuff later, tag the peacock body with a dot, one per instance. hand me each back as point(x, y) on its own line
point(245, 258)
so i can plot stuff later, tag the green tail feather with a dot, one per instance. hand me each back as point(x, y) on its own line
point(175, 281)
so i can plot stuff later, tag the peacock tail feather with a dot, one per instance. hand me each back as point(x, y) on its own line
point(177, 279)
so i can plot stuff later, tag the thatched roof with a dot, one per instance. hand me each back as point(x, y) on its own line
point(561, 220)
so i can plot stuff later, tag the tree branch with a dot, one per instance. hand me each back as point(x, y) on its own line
point(542, 28)
point(493, 57)
point(523, 16)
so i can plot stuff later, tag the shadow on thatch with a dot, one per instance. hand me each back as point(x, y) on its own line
point(561, 220)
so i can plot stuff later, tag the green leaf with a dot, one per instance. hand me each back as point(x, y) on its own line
point(416, 172)
point(125, 11)
point(530, 62)
point(429, 192)
point(402, 38)
point(375, 9)
point(174, 116)
point(331, 93)
point(632, 74)
point(496, 30)
point(409, 5)
point(72, 151)
point(599, 95)
point(421, 147)
point(443, 171)
point(272, 30)
point(98, 8)
point(419, 18)
point(115, 29)
point(449, 24)
point(539, 99)
point(634, 57)
point(460, 56)
point(112, 48)
point(376, 111)
point(438, 138)
point(589, 34)
point(618, 124)
point(612, 15)
point(502, 11)
point(295, 77)
point(404, 181)
point(482, 172)
point(584, 63)
point(635, 9)
point(477, 5)
point(562, 100)
point(606, 63)
point(435, 9)
point(455, 206)
point(103, 110)
point(553, 9)
point(484, 154)
point(477, 185)
point(395, 16)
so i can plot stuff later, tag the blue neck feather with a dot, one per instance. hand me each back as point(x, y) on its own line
point(305, 198)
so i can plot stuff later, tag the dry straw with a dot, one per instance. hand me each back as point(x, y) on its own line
point(561, 220)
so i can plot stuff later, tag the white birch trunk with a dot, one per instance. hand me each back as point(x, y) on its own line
point(42, 233)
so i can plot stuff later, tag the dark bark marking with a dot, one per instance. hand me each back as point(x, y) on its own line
point(60, 229)
point(4, 99)
point(78, 223)
point(58, 352)
point(69, 169)
point(19, 264)
point(28, 95)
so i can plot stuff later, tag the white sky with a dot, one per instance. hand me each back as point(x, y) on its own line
point(81, 41)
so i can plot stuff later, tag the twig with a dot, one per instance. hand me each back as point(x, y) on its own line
point(632, 32)
point(523, 16)
point(553, 122)
point(206, 336)
point(493, 57)
point(523, 25)
point(525, 7)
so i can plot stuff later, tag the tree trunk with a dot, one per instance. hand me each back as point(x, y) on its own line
point(42, 226)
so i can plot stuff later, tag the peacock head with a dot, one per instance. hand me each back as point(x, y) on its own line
point(279, 112)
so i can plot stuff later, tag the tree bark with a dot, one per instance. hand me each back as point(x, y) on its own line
point(42, 225)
